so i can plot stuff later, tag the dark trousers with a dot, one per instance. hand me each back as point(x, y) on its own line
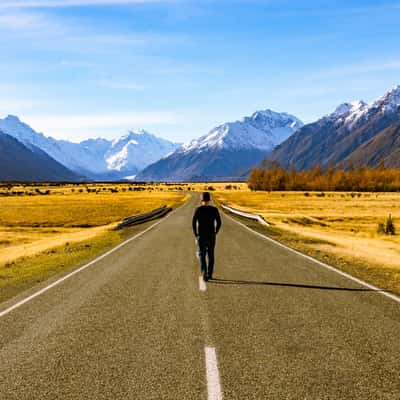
point(206, 251)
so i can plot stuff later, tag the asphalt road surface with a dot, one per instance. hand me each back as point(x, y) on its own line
point(139, 324)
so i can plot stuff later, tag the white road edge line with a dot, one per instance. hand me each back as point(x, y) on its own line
point(322, 264)
point(58, 281)
point(213, 380)
point(202, 284)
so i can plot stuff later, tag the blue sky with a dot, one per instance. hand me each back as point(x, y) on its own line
point(85, 68)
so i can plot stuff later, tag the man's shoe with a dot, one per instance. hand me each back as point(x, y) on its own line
point(205, 277)
point(209, 277)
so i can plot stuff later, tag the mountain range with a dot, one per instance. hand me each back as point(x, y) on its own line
point(227, 152)
point(22, 163)
point(96, 159)
point(359, 133)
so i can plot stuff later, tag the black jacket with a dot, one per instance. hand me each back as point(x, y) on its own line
point(206, 221)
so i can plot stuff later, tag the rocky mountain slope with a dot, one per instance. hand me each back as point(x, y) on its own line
point(227, 151)
point(383, 146)
point(358, 132)
point(21, 163)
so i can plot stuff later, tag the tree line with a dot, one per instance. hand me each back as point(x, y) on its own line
point(272, 176)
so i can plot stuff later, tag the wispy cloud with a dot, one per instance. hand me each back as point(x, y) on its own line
point(110, 40)
point(74, 3)
point(111, 84)
point(359, 68)
point(17, 106)
point(105, 120)
point(17, 21)
point(76, 35)
point(333, 11)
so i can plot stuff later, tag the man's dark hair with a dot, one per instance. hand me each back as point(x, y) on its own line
point(206, 196)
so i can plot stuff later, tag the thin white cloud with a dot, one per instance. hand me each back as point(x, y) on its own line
point(15, 106)
point(312, 10)
point(104, 120)
point(359, 69)
point(110, 84)
point(74, 3)
point(18, 21)
point(71, 35)
point(116, 39)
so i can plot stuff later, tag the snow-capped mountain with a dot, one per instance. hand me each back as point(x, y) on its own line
point(21, 163)
point(355, 132)
point(227, 151)
point(95, 158)
point(81, 159)
point(388, 103)
point(263, 130)
point(129, 152)
point(358, 111)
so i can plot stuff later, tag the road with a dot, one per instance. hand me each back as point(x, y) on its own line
point(136, 325)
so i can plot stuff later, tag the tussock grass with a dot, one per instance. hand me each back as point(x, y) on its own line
point(42, 234)
point(24, 272)
point(79, 209)
point(340, 227)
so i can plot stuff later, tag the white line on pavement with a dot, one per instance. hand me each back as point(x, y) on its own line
point(322, 264)
point(213, 380)
point(202, 284)
point(58, 281)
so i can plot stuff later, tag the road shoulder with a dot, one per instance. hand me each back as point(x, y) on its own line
point(371, 274)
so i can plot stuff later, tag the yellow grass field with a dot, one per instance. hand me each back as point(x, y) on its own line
point(41, 234)
point(45, 229)
point(342, 226)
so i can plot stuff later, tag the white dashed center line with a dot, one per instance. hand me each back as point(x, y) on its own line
point(202, 284)
point(213, 380)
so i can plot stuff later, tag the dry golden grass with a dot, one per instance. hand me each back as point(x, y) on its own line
point(341, 225)
point(27, 223)
point(28, 271)
point(40, 232)
point(37, 240)
point(80, 209)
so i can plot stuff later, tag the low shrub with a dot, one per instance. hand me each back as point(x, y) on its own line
point(381, 229)
point(386, 228)
point(390, 228)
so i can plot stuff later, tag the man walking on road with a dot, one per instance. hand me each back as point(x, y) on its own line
point(206, 224)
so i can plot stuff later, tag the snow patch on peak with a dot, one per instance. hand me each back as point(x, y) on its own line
point(394, 93)
point(142, 132)
point(342, 110)
point(262, 130)
point(349, 113)
point(13, 126)
point(390, 101)
point(117, 161)
point(137, 150)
